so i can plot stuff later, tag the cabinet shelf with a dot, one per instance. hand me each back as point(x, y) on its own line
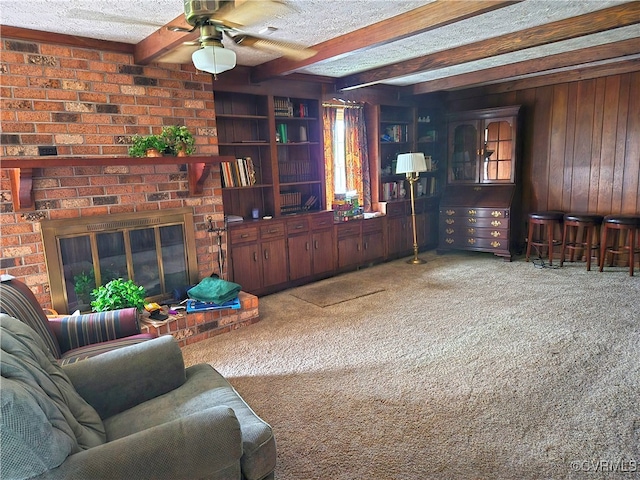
point(302, 182)
point(249, 187)
point(257, 143)
point(240, 116)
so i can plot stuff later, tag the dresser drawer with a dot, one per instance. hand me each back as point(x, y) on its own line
point(348, 229)
point(478, 222)
point(496, 213)
point(321, 220)
point(298, 225)
point(243, 235)
point(272, 230)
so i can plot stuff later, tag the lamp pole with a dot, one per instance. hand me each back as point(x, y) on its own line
point(412, 177)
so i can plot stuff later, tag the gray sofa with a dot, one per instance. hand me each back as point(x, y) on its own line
point(133, 413)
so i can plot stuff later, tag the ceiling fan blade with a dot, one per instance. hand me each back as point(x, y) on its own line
point(241, 13)
point(84, 14)
point(181, 54)
point(286, 49)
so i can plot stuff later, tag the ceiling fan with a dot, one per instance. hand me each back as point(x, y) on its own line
point(216, 18)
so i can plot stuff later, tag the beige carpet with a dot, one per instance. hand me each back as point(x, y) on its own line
point(467, 367)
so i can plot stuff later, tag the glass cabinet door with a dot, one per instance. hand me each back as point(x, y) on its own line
point(464, 149)
point(498, 152)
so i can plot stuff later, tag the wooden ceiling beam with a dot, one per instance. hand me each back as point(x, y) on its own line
point(585, 72)
point(162, 41)
point(586, 24)
point(27, 34)
point(575, 58)
point(423, 19)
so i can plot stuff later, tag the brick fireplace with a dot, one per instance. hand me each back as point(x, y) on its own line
point(89, 102)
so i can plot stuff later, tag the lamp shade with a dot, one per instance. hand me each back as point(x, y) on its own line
point(411, 162)
point(214, 59)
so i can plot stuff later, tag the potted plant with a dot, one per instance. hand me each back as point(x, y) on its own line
point(118, 293)
point(179, 139)
point(148, 146)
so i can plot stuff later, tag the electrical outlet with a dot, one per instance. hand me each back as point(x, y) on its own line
point(42, 151)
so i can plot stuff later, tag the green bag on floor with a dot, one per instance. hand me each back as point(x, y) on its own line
point(214, 290)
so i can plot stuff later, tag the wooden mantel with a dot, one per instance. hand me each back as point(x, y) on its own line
point(21, 171)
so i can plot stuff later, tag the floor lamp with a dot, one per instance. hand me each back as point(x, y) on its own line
point(412, 164)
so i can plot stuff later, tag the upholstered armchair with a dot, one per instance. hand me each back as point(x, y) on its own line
point(135, 412)
point(71, 338)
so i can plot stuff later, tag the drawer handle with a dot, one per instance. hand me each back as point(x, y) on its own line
point(471, 241)
point(255, 256)
point(357, 247)
point(496, 213)
point(244, 235)
point(495, 234)
point(266, 254)
point(496, 223)
point(450, 212)
point(298, 227)
point(471, 231)
point(449, 231)
point(306, 246)
point(315, 244)
point(449, 240)
point(495, 244)
point(323, 223)
point(473, 212)
point(472, 220)
point(272, 230)
point(450, 221)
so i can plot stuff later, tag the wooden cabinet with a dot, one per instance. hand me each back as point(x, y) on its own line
point(400, 225)
point(360, 242)
point(310, 245)
point(258, 255)
point(479, 209)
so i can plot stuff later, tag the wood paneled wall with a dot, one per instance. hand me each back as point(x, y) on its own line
point(581, 141)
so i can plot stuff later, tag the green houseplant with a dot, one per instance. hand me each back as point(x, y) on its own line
point(179, 139)
point(143, 144)
point(118, 293)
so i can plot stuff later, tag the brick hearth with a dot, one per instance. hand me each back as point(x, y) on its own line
point(190, 328)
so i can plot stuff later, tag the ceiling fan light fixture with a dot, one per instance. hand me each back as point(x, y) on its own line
point(214, 59)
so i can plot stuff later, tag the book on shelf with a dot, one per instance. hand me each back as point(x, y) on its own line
point(240, 173)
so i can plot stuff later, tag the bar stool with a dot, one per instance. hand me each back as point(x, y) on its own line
point(615, 226)
point(542, 226)
point(581, 227)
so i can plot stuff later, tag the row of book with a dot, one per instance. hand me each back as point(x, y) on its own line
point(240, 173)
point(395, 133)
point(284, 107)
point(296, 171)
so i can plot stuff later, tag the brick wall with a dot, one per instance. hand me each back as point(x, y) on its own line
point(88, 103)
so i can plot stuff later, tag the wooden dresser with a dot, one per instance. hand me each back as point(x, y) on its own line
point(479, 209)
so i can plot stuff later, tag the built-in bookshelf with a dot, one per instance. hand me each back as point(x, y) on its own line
point(276, 142)
point(300, 162)
point(404, 129)
point(244, 132)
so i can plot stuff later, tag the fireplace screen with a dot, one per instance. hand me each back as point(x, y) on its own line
point(155, 251)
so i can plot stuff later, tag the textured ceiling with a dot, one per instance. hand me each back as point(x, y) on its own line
point(313, 21)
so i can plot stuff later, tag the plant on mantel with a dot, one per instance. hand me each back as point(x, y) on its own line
point(147, 146)
point(180, 141)
point(174, 140)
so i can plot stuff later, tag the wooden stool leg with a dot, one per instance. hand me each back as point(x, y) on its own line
point(564, 243)
point(589, 233)
point(632, 249)
point(529, 239)
point(549, 227)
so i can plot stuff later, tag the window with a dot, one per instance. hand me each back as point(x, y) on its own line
point(339, 165)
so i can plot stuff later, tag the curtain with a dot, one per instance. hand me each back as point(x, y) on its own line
point(357, 156)
point(358, 177)
point(328, 127)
